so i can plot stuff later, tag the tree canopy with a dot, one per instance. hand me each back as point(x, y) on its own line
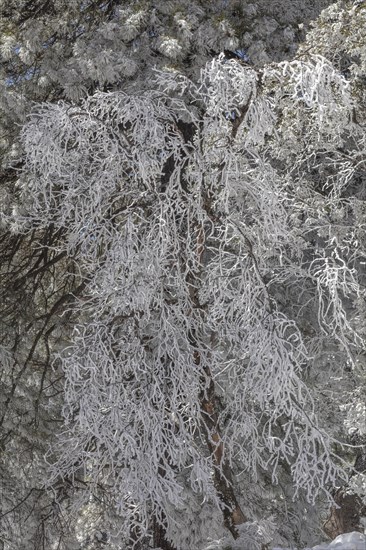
point(183, 245)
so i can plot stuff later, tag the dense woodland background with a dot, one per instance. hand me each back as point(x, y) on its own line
point(182, 244)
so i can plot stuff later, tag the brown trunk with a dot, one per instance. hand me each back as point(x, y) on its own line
point(223, 478)
point(346, 517)
point(160, 540)
point(159, 531)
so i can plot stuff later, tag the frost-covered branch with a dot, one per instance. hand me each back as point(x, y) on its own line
point(187, 365)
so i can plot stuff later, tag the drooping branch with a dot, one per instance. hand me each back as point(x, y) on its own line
point(209, 405)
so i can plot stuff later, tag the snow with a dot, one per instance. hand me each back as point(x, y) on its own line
point(348, 541)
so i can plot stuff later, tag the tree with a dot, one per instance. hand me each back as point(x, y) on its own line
point(211, 236)
point(193, 230)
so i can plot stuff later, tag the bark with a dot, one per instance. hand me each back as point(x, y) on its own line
point(159, 530)
point(345, 516)
point(223, 476)
point(159, 537)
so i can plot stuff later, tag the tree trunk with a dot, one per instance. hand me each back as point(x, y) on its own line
point(346, 517)
point(223, 477)
point(159, 537)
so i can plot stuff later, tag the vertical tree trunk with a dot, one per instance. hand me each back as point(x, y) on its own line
point(223, 477)
point(159, 537)
point(159, 531)
point(346, 517)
